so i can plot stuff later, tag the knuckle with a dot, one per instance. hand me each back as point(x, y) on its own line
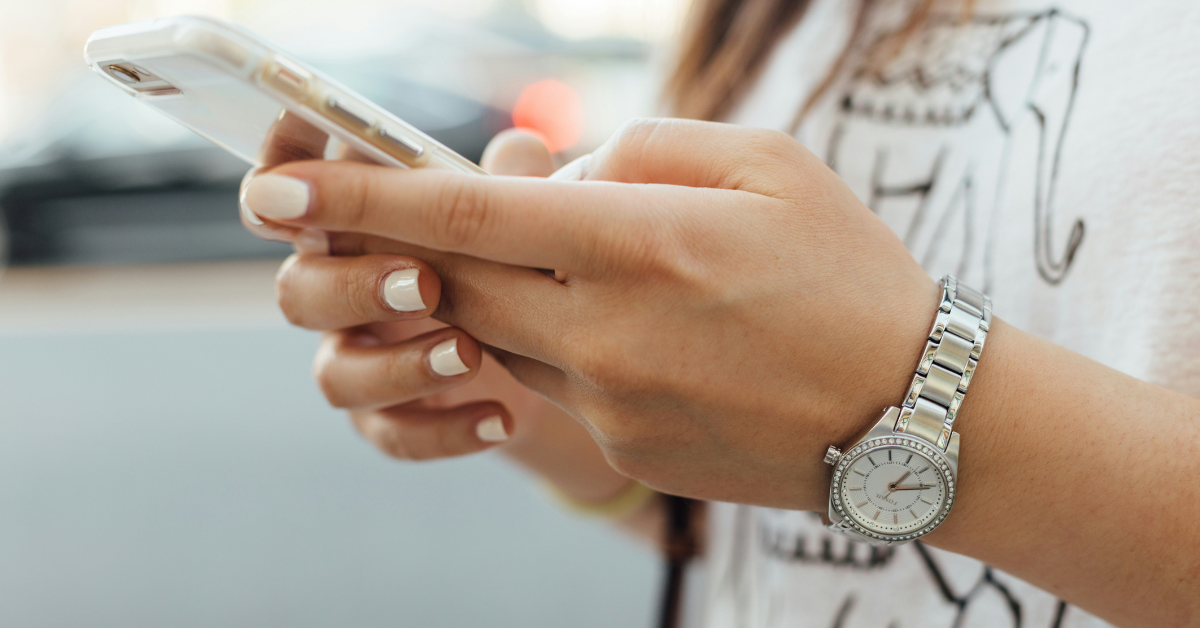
point(629, 464)
point(327, 381)
point(602, 367)
point(285, 292)
point(464, 213)
point(669, 253)
point(289, 306)
point(356, 201)
point(631, 140)
point(419, 447)
point(393, 443)
point(357, 289)
point(401, 374)
point(766, 150)
point(772, 140)
point(648, 251)
point(636, 133)
point(446, 441)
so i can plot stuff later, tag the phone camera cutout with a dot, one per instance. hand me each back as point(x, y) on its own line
point(124, 75)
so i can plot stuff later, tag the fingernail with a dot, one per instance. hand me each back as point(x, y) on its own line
point(276, 196)
point(445, 361)
point(311, 242)
point(491, 430)
point(242, 207)
point(403, 293)
point(246, 213)
point(574, 171)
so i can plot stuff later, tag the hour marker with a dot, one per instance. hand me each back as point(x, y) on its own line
point(875, 464)
point(926, 501)
point(876, 517)
point(860, 473)
point(922, 471)
point(909, 459)
point(889, 455)
point(860, 505)
point(856, 489)
point(910, 511)
point(895, 519)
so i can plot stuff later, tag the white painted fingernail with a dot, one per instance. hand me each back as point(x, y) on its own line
point(311, 242)
point(276, 196)
point(403, 293)
point(491, 430)
point(445, 361)
point(246, 213)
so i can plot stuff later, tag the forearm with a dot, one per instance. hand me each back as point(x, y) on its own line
point(1080, 480)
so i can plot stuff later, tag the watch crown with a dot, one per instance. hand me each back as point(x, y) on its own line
point(831, 455)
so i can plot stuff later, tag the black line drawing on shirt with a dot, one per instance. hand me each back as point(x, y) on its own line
point(791, 544)
point(823, 551)
point(986, 580)
point(963, 128)
point(917, 136)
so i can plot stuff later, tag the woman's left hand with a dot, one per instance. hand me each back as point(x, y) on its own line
point(723, 307)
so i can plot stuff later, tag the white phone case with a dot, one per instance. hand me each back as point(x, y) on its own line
point(236, 90)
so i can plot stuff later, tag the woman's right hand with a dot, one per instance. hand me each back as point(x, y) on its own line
point(416, 388)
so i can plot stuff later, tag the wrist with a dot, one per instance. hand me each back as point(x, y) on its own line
point(883, 373)
point(898, 480)
point(991, 436)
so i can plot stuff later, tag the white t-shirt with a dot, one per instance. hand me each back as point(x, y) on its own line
point(1045, 152)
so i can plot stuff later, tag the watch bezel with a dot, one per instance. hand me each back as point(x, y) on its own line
point(866, 447)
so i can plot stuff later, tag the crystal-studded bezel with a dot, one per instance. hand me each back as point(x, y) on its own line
point(895, 440)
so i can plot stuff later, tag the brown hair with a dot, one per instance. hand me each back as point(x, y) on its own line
point(726, 44)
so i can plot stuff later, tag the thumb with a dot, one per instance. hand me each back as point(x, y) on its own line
point(517, 153)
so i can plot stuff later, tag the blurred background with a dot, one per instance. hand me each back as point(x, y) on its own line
point(165, 459)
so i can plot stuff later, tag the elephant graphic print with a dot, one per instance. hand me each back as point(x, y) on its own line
point(1045, 152)
point(931, 138)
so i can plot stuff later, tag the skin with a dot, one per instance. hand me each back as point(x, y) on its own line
point(723, 308)
point(371, 359)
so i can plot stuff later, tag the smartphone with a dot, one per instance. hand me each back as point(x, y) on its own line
point(242, 94)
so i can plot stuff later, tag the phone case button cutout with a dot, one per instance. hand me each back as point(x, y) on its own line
point(349, 113)
point(288, 78)
point(401, 142)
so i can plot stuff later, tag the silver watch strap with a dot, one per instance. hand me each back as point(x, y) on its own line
point(946, 367)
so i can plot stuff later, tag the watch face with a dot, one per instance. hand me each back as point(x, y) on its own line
point(893, 488)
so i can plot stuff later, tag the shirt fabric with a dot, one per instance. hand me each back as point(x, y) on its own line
point(1047, 153)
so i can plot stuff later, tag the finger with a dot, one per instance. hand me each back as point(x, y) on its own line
point(517, 309)
point(267, 230)
point(412, 432)
point(322, 292)
point(518, 154)
point(356, 371)
point(528, 222)
point(548, 381)
point(292, 138)
point(665, 151)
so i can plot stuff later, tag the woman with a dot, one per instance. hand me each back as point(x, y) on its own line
point(727, 302)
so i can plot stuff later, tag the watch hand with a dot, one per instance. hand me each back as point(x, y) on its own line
point(892, 486)
point(911, 488)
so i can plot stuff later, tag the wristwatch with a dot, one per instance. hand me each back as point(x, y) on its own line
point(896, 482)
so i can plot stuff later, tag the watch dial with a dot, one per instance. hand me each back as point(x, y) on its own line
point(894, 490)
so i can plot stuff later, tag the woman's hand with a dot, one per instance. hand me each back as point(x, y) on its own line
point(724, 308)
point(727, 309)
point(416, 388)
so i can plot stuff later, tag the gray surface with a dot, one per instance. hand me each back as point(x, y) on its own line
point(198, 479)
